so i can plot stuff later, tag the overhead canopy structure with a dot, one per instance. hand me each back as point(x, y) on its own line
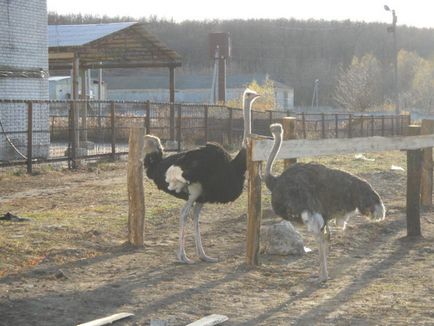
point(114, 45)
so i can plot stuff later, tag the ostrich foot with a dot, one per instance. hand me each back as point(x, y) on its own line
point(318, 280)
point(182, 258)
point(208, 259)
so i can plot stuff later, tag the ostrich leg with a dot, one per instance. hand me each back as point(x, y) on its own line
point(197, 237)
point(323, 250)
point(182, 257)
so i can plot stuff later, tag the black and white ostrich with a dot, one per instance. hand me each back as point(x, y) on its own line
point(315, 194)
point(207, 174)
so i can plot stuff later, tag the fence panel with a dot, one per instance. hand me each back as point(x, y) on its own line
point(70, 130)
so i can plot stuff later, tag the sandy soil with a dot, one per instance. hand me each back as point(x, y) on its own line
point(69, 264)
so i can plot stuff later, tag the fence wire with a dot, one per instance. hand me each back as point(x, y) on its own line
point(70, 130)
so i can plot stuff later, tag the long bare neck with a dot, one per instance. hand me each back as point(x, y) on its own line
point(247, 115)
point(269, 178)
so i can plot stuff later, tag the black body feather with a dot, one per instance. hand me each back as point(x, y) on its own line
point(221, 177)
point(317, 188)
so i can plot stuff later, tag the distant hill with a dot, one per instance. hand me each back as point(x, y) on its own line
point(291, 51)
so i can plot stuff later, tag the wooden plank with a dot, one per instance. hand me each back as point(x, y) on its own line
point(426, 189)
point(414, 171)
point(210, 320)
point(254, 210)
point(136, 194)
point(310, 148)
point(60, 55)
point(107, 320)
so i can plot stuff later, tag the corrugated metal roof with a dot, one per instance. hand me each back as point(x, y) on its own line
point(76, 35)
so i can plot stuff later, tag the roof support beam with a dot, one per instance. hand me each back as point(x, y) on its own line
point(172, 101)
point(64, 66)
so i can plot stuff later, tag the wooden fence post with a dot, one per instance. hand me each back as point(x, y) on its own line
point(427, 166)
point(289, 132)
point(254, 210)
point(136, 195)
point(29, 137)
point(414, 167)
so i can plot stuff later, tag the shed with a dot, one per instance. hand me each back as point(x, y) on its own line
point(114, 45)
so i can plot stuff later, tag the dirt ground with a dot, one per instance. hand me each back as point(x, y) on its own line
point(69, 264)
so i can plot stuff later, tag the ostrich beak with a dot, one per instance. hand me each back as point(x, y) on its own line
point(255, 96)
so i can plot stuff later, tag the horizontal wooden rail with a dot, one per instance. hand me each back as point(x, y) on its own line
point(309, 148)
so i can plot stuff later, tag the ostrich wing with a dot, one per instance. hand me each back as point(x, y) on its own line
point(203, 163)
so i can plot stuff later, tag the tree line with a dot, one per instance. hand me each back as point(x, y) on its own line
point(296, 52)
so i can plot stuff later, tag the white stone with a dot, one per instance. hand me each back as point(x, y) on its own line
point(281, 239)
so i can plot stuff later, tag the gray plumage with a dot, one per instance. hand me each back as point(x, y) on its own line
point(314, 194)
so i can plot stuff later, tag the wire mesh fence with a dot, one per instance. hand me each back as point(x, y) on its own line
point(73, 130)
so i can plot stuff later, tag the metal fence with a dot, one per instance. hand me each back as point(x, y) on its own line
point(95, 129)
point(348, 125)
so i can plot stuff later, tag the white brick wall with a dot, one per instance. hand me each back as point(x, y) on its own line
point(23, 45)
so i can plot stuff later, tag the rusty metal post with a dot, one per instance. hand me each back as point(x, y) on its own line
point(230, 126)
point(303, 124)
point(179, 127)
point(113, 129)
point(205, 123)
point(323, 136)
point(289, 132)
point(221, 79)
point(74, 135)
point(29, 137)
point(148, 117)
point(336, 126)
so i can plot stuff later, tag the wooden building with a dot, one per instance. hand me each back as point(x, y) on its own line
point(114, 45)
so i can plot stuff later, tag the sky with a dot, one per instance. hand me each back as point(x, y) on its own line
point(418, 13)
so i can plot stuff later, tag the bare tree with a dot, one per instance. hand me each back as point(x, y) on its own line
point(359, 87)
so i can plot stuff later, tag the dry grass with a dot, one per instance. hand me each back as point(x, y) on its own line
point(79, 224)
point(87, 210)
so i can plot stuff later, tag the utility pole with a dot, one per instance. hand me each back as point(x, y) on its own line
point(219, 50)
point(392, 29)
point(315, 96)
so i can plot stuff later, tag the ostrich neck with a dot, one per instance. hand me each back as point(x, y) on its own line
point(275, 149)
point(247, 111)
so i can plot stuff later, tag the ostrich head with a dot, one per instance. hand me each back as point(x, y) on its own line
point(249, 96)
point(277, 131)
point(152, 145)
